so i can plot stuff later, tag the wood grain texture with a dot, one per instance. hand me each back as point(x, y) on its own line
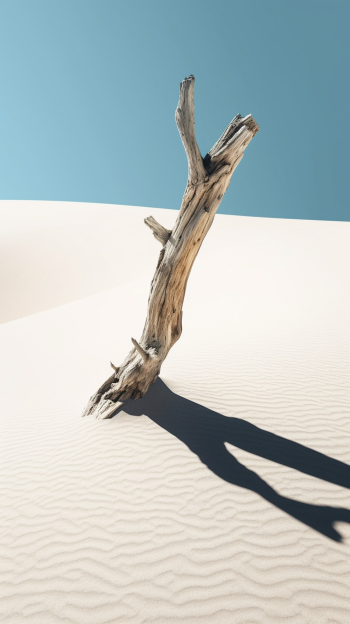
point(208, 180)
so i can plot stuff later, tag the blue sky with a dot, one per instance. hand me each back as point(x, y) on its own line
point(89, 90)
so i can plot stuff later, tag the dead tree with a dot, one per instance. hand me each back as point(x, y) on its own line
point(208, 179)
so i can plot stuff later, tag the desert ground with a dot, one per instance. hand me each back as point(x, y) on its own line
point(222, 496)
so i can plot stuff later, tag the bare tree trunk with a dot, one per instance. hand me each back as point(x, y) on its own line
point(208, 180)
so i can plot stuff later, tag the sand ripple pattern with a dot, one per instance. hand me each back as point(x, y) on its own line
point(120, 521)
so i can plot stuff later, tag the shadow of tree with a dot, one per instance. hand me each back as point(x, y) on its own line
point(205, 432)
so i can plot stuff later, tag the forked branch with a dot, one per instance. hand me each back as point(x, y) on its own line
point(208, 180)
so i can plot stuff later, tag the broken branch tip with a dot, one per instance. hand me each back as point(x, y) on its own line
point(140, 350)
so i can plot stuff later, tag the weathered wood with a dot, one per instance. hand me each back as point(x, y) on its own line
point(140, 350)
point(159, 232)
point(208, 180)
point(184, 116)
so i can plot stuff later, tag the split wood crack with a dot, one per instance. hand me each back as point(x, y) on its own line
point(208, 180)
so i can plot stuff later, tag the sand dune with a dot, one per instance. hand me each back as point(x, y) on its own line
point(223, 495)
point(52, 253)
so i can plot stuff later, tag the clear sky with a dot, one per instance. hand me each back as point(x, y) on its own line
point(89, 90)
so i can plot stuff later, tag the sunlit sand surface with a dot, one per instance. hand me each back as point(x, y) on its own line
point(221, 497)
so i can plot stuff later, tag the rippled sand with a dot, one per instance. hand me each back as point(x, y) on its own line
point(221, 497)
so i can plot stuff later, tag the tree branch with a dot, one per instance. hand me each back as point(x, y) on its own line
point(140, 350)
point(207, 183)
point(184, 117)
point(159, 232)
point(232, 143)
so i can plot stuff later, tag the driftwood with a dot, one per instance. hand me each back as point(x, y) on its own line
point(208, 179)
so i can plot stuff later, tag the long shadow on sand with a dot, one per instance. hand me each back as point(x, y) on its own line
point(205, 431)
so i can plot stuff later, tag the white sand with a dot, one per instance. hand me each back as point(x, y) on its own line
point(122, 521)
